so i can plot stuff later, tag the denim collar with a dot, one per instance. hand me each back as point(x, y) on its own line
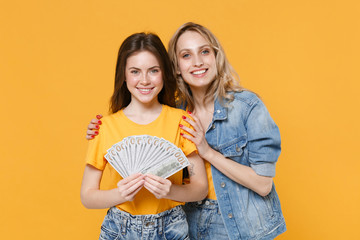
point(220, 112)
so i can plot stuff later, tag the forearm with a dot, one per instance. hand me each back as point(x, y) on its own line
point(99, 199)
point(188, 192)
point(197, 189)
point(239, 173)
point(93, 197)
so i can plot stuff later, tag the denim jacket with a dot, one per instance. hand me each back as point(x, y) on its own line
point(244, 132)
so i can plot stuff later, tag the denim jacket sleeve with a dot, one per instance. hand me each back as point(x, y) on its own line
point(264, 144)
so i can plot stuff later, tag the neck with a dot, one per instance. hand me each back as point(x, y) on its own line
point(199, 103)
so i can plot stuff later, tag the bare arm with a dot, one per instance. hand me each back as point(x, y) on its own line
point(196, 190)
point(93, 197)
point(239, 173)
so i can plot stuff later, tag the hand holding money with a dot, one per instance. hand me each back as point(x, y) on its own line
point(158, 186)
point(130, 186)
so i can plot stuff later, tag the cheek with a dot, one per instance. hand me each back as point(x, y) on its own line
point(211, 60)
point(182, 66)
point(158, 80)
point(131, 81)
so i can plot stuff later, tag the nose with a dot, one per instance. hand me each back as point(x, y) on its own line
point(145, 79)
point(198, 61)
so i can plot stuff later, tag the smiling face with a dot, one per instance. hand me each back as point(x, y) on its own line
point(143, 78)
point(196, 60)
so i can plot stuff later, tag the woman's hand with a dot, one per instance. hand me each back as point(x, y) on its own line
point(130, 186)
point(94, 198)
point(93, 127)
point(158, 186)
point(196, 135)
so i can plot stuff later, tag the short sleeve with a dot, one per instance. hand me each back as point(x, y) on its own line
point(264, 144)
point(95, 152)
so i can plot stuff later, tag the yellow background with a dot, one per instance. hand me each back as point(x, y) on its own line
point(57, 63)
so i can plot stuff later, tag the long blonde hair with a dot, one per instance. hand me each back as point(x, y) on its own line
point(226, 80)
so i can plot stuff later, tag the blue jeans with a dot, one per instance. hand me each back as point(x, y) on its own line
point(205, 221)
point(170, 224)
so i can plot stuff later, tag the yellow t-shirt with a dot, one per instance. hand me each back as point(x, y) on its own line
point(211, 189)
point(117, 126)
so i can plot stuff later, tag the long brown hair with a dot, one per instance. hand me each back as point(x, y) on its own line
point(133, 44)
point(226, 80)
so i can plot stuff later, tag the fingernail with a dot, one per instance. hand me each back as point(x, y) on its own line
point(181, 134)
point(97, 126)
point(92, 136)
point(96, 132)
point(183, 117)
point(180, 125)
point(98, 116)
point(189, 112)
point(99, 122)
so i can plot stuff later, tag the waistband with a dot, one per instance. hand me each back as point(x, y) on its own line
point(206, 203)
point(147, 220)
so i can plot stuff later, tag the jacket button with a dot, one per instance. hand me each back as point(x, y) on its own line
point(213, 126)
point(230, 215)
point(238, 148)
point(222, 184)
point(218, 111)
point(207, 202)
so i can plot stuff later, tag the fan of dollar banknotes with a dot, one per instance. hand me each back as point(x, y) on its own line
point(146, 154)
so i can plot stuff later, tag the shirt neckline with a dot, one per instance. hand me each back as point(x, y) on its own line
point(129, 121)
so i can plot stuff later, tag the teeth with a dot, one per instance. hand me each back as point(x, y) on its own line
point(199, 72)
point(145, 89)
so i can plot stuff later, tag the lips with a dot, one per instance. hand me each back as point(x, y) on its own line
point(145, 90)
point(199, 72)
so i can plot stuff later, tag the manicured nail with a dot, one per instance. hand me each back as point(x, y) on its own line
point(98, 116)
point(97, 126)
point(181, 134)
point(96, 132)
point(189, 112)
point(99, 122)
point(92, 136)
point(180, 125)
point(183, 117)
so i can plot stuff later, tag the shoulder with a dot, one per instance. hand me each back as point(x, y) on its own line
point(245, 97)
point(109, 120)
point(110, 117)
point(173, 111)
point(244, 104)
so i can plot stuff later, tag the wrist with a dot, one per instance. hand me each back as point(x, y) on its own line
point(209, 154)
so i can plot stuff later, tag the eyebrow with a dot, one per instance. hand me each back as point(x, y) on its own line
point(136, 68)
point(189, 49)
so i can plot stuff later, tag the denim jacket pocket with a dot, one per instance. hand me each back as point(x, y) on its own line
point(233, 148)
